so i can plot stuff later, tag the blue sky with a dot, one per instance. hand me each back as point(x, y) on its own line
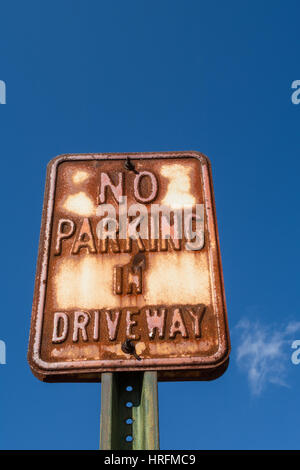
point(151, 76)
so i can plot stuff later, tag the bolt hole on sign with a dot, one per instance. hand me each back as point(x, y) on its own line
point(129, 274)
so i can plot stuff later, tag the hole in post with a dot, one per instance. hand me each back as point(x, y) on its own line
point(129, 388)
point(129, 438)
point(129, 404)
point(129, 421)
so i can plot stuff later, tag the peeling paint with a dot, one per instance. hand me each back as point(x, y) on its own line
point(80, 352)
point(86, 282)
point(80, 204)
point(80, 176)
point(179, 186)
point(174, 349)
point(178, 278)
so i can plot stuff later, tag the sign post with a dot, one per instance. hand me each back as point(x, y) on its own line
point(129, 411)
point(129, 283)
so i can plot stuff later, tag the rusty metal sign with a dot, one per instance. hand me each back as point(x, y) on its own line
point(129, 272)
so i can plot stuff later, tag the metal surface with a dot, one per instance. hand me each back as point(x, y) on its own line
point(94, 294)
point(129, 427)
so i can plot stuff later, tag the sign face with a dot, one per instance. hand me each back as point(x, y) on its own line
point(129, 273)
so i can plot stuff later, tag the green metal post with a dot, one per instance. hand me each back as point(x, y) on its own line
point(129, 411)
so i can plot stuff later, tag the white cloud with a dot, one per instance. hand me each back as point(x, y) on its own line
point(263, 352)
